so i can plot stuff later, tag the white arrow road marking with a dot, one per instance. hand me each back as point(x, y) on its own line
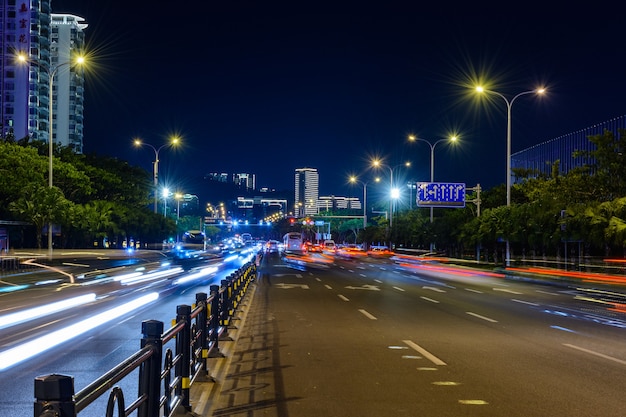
point(364, 287)
point(290, 286)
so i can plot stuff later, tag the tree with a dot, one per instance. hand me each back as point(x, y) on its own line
point(41, 205)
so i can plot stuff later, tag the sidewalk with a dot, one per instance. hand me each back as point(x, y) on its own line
point(248, 378)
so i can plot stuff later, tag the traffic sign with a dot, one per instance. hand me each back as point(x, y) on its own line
point(440, 194)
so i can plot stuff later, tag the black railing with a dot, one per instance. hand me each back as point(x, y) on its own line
point(196, 335)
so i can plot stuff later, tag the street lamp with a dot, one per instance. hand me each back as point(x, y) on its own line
point(166, 193)
point(509, 105)
point(353, 180)
point(177, 196)
point(155, 165)
point(414, 138)
point(394, 192)
point(51, 70)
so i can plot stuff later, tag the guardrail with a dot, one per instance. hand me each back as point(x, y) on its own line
point(195, 334)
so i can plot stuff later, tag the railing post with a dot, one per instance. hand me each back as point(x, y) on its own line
point(202, 320)
point(183, 348)
point(54, 396)
point(225, 306)
point(214, 319)
point(150, 371)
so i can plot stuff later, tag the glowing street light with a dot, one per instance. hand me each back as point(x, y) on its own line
point(394, 192)
point(166, 193)
point(178, 197)
point(354, 180)
point(509, 105)
point(51, 71)
point(155, 165)
point(432, 146)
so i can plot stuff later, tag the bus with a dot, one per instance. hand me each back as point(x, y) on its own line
point(293, 242)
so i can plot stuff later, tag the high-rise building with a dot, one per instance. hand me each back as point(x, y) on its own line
point(307, 191)
point(48, 42)
point(67, 40)
point(246, 181)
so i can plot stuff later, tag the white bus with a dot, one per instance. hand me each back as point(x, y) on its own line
point(292, 242)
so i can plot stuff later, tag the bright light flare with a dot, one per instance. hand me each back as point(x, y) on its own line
point(12, 319)
point(20, 353)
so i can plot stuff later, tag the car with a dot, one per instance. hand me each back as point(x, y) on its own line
point(272, 246)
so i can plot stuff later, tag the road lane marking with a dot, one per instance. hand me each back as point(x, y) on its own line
point(565, 329)
point(343, 297)
point(430, 299)
point(446, 383)
point(547, 292)
point(363, 275)
point(591, 352)
point(481, 317)
point(473, 290)
point(507, 290)
point(368, 315)
point(434, 289)
point(524, 302)
point(398, 288)
point(379, 281)
point(424, 352)
point(473, 402)
point(328, 286)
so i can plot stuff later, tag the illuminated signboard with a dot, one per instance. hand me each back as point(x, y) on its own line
point(440, 194)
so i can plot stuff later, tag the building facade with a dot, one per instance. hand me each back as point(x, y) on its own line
point(539, 158)
point(48, 43)
point(306, 191)
point(333, 202)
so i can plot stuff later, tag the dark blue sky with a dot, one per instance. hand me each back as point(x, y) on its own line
point(254, 87)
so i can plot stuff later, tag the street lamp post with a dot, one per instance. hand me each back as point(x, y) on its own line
point(51, 71)
point(166, 193)
point(155, 165)
point(178, 196)
point(509, 105)
point(394, 193)
point(353, 179)
point(432, 146)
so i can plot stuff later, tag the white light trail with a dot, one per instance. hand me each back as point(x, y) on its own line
point(12, 319)
point(41, 344)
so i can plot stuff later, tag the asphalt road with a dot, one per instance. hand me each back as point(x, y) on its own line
point(369, 339)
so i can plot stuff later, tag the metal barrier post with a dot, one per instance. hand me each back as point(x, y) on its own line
point(202, 320)
point(54, 396)
point(150, 371)
point(225, 306)
point(214, 320)
point(183, 348)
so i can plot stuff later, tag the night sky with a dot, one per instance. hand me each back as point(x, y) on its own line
point(266, 87)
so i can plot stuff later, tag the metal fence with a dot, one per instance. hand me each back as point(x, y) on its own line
point(196, 335)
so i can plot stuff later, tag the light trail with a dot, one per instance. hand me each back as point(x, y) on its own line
point(12, 319)
point(20, 353)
